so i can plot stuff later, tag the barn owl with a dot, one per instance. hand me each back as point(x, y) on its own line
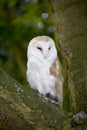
point(44, 69)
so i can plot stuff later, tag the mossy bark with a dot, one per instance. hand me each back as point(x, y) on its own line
point(71, 23)
point(21, 108)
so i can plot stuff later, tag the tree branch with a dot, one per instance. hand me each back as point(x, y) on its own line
point(22, 108)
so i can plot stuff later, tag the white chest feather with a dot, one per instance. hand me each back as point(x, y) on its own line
point(39, 76)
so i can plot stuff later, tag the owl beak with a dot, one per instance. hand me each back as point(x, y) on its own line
point(45, 56)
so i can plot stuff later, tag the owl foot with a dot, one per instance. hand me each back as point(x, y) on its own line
point(55, 98)
point(42, 95)
point(52, 99)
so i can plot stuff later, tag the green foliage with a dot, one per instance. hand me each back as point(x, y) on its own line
point(20, 21)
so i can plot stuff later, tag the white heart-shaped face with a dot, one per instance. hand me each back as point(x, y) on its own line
point(43, 48)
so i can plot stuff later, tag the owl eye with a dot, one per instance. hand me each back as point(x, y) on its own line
point(49, 48)
point(39, 48)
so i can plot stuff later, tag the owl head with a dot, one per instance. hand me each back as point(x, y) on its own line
point(42, 48)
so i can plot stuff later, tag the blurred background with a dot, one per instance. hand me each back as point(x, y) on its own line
point(20, 21)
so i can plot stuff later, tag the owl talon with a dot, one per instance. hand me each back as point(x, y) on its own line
point(54, 98)
point(42, 95)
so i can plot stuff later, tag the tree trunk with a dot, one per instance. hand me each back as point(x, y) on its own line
point(71, 22)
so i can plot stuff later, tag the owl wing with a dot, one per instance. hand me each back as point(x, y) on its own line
point(55, 70)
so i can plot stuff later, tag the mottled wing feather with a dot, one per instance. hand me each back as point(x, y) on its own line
point(55, 70)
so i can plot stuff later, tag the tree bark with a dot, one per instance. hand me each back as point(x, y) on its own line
point(71, 23)
point(21, 108)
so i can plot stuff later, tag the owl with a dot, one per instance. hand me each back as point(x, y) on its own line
point(44, 69)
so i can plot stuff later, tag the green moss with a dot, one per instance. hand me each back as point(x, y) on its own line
point(66, 127)
point(27, 103)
